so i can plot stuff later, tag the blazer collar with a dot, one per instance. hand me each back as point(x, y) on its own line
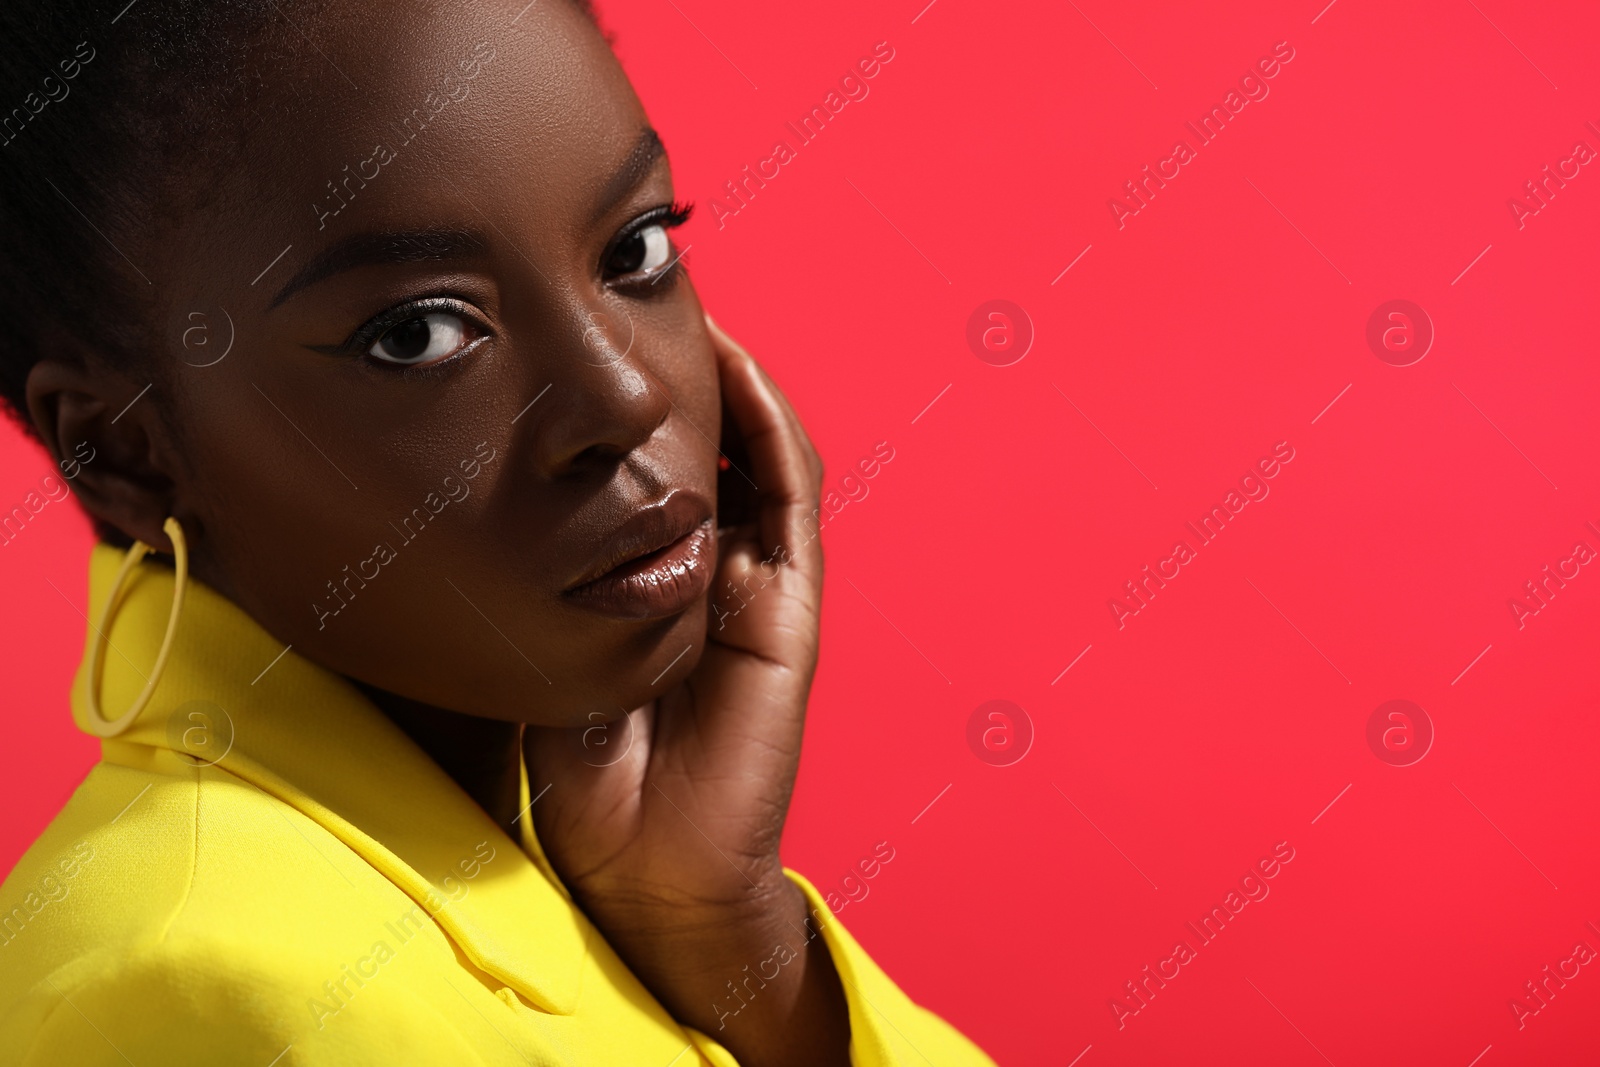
point(312, 740)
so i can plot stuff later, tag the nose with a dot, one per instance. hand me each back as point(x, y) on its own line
point(604, 401)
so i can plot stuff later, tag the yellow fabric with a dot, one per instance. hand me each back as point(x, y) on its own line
point(265, 870)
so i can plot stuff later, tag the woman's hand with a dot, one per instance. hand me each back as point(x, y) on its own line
point(673, 849)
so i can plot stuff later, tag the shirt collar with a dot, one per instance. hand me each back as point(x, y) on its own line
point(312, 740)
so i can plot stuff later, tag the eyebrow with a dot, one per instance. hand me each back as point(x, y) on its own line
point(641, 160)
point(371, 249)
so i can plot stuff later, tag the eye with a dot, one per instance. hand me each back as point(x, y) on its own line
point(422, 339)
point(430, 332)
point(644, 251)
point(644, 247)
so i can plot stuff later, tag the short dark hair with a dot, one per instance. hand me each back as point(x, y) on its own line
point(99, 105)
point(108, 119)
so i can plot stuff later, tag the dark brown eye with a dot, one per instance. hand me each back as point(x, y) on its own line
point(641, 252)
point(425, 339)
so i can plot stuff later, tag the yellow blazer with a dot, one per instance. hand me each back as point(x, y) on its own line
point(265, 871)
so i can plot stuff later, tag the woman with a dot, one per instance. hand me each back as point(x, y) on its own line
point(367, 318)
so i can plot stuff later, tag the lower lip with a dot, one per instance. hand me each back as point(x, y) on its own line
point(662, 583)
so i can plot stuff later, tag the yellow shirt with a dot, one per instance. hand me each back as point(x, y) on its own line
point(265, 871)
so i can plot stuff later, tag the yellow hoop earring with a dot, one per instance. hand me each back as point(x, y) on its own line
point(98, 723)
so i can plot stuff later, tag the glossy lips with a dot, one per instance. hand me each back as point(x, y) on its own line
point(658, 563)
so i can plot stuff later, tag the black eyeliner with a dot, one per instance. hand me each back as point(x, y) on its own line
point(374, 328)
point(669, 216)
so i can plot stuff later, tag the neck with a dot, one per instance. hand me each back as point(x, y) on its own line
point(483, 756)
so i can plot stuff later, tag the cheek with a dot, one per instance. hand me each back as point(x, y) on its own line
point(687, 369)
point(326, 529)
point(698, 358)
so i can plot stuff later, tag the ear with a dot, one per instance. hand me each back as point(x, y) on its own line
point(108, 442)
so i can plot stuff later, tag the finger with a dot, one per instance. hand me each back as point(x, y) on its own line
point(780, 451)
point(783, 400)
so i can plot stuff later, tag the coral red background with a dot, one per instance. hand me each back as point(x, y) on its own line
point(1221, 319)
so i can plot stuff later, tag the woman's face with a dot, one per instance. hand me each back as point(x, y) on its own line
point(466, 379)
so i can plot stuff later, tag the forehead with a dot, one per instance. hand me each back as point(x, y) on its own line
point(391, 115)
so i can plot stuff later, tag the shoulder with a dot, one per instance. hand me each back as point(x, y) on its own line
point(188, 1004)
point(118, 822)
point(171, 850)
point(180, 915)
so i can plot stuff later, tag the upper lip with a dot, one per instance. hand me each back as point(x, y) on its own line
point(649, 530)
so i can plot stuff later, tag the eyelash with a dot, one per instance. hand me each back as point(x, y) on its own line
point(374, 328)
point(669, 216)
